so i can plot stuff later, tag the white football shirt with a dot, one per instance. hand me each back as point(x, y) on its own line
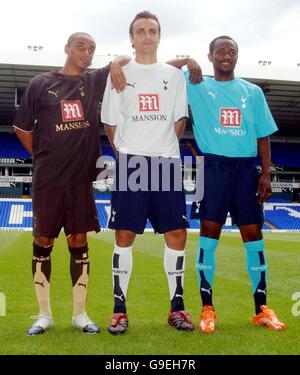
point(146, 111)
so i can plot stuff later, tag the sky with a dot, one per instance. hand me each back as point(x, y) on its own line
point(264, 29)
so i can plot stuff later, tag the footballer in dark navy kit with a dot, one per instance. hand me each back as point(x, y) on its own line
point(57, 122)
point(61, 111)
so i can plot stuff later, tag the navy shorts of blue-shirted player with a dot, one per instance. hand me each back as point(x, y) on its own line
point(230, 185)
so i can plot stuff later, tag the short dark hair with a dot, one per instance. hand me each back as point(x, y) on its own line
point(77, 35)
point(213, 42)
point(144, 14)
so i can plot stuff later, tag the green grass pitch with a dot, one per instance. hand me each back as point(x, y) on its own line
point(148, 299)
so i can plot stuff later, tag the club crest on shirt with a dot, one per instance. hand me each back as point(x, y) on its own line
point(81, 90)
point(148, 102)
point(230, 117)
point(244, 102)
point(71, 110)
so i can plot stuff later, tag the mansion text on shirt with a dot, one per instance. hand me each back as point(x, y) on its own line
point(235, 132)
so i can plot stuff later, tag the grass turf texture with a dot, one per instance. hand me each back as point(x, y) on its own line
point(148, 299)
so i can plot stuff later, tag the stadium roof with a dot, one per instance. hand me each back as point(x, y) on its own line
point(280, 85)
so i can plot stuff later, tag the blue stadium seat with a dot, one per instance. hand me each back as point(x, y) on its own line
point(286, 154)
point(10, 147)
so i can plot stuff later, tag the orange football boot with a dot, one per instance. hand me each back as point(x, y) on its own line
point(207, 320)
point(268, 318)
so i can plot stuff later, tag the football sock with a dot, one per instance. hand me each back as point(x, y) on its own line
point(79, 269)
point(257, 271)
point(121, 272)
point(41, 271)
point(174, 264)
point(205, 267)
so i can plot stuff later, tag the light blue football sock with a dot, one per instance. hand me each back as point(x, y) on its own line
point(205, 266)
point(257, 270)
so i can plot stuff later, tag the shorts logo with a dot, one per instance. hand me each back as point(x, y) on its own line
point(230, 117)
point(148, 102)
point(71, 110)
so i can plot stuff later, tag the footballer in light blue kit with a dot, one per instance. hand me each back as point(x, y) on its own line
point(232, 115)
point(232, 123)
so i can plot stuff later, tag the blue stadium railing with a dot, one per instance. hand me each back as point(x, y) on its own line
point(16, 214)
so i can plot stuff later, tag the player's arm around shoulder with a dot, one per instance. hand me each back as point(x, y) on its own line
point(193, 68)
point(117, 74)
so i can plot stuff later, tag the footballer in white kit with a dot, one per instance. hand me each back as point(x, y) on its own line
point(143, 124)
point(145, 114)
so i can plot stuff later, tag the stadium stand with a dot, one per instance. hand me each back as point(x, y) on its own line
point(279, 200)
point(186, 150)
point(281, 94)
point(106, 147)
point(10, 195)
point(283, 154)
point(11, 148)
point(16, 214)
point(284, 216)
point(286, 154)
point(102, 196)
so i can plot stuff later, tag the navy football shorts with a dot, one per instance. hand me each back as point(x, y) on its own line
point(230, 185)
point(148, 188)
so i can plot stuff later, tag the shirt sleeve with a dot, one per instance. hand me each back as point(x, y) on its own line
point(26, 114)
point(263, 119)
point(110, 108)
point(181, 105)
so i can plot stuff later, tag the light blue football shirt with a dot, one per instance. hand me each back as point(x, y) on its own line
point(229, 116)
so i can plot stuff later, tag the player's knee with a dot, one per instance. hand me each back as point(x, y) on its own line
point(210, 229)
point(179, 234)
point(251, 232)
point(44, 241)
point(77, 240)
point(251, 238)
point(125, 238)
point(176, 239)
